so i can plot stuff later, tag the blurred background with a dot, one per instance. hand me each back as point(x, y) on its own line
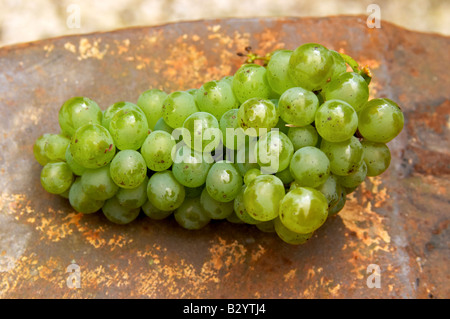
point(29, 20)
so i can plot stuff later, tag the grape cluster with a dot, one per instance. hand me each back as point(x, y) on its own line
point(277, 145)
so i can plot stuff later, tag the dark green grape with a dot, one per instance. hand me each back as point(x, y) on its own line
point(345, 157)
point(332, 190)
point(55, 147)
point(77, 112)
point(164, 191)
point(215, 209)
point(190, 168)
point(76, 168)
point(92, 146)
point(303, 210)
point(380, 120)
point(155, 213)
point(288, 236)
point(191, 215)
point(355, 178)
point(377, 157)
point(98, 184)
point(56, 178)
point(150, 102)
point(267, 226)
point(119, 214)
point(82, 202)
point(251, 174)
point(285, 176)
point(128, 169)
point(133, 197)
point(339, 205)
point(162, 126)
point(241, 211)
point(39, 150)
point(310, 66)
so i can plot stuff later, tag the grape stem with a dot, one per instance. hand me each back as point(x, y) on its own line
point(252, 56)
point(363, 71)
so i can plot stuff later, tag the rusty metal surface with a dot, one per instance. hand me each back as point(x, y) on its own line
point(398, 221)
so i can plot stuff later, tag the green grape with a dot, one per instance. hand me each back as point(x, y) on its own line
point(215, 209)
point(129, 129)
point(339, 65)
point(77, 112)
point(150, 102)
point(349, 87)
point(267, 226)
point(81, 202)
point(98, 184)
point(380, 120)
point(119, 214)
point(65, 194)
point(116, 107)
point(192, 92)
point(133, 197)
point(128, 169)
point(262, 197)
point(250, 81)
point(228, 79)
point(273, 152)
point(157, 150)
point(336, 121)
point(345, 157)
point(192, 192)
point(310, 166)
point(354, 179)
point(162, 126)
point(303, 136)
point(92, 146)
point(216, 98)
point(282, 126)
point(310, 66)
point(201, 132)
point(191, 215)
point(39, 149)
point(232, 135)
point(332, 190)
point(257, 116)
point(56, 178)
point(298, 106)
point(177, 107)
point(288, 236)
point(251, 174)
point(246, 158)
point(55, 147)
point(285, 176)
point(277, 71)
point(164, 191)
point(377, 157)
point(303, 210)
point(339, 205)
point(190, 168)
point(155, 213)
point(241, 211)
point(223, 182)
point(76, 168)
point(233, 218)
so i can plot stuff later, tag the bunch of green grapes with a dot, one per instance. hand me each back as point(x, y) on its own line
point(277, 145)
